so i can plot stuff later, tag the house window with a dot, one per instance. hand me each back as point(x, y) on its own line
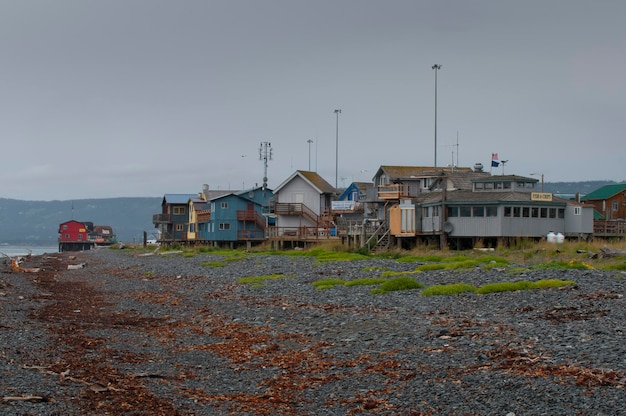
point(497, 185)
point(517, 212)
point(526, 212)
point(507, 185)
point(65, 226)
point(67, 236)
point(224, 205)
point(425, 212)
point(491, 211)
point(453, 212)
point(465, 211)
point(179, 227)
point(478, 211)
point(552, 212)
point(179, 210)
point(435, 211)
point(534, 212)
point(224, 226)
point(479, 186)
point(544, 212)
point(577, 210)
point(488, 185)
point(507, 211)
point(80, 236)
point(615, 206)
point(561, 213)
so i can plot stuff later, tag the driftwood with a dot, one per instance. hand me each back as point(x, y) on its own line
point(76, 266)
point(27, 398)
point(606, 252)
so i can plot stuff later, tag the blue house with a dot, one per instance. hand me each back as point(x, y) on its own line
point(173, 220)
point(235, 218)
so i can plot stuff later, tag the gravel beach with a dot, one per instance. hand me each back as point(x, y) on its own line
point(173, 335)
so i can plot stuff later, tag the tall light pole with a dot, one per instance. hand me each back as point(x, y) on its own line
point(309, 142)
point(436, 67)
point(337, 112)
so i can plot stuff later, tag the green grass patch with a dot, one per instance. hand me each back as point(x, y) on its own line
point(212, 264)
point(323, 255)
point(420, 259)
point(522, 285)
point(451, 289)
point(258, 281)
point(327, 283)
point(368, 281)
point(619, 266)
point(399, 283)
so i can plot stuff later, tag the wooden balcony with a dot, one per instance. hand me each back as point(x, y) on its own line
point(161, 219)
point(393, 191)
point(608, 228)
point(251, 216)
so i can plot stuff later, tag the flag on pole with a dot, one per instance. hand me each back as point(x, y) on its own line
point(494, 160)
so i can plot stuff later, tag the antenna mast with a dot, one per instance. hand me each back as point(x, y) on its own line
point(265, 154)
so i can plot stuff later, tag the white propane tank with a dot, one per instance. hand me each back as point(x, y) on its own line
point(560, 238)
point(551, 237)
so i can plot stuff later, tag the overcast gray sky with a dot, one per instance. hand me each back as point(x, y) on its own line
point(116, 98)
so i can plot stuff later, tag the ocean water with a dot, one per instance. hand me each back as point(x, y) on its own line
point(13, 251)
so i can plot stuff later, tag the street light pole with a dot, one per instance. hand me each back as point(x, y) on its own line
point(337, 112)
point(436, 67)
point(309, 142)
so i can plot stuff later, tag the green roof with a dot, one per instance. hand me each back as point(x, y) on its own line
point(605, 192)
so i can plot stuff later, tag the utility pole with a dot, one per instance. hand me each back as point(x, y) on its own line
point(436, 67)
point(337, 112)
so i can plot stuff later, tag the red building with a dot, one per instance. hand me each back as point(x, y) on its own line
point(79, 236)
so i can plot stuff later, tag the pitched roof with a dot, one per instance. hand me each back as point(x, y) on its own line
point(178, 198)
point(605, 192)
point(313, 178)
point(409, 172)
point(484, 197)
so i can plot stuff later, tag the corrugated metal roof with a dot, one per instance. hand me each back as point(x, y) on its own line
point(605, 192)
point(483, 197)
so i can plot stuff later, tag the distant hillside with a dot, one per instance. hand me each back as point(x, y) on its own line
point(37, 222)
point(571, 188)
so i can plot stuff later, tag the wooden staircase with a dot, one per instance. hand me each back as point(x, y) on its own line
point(379, 240)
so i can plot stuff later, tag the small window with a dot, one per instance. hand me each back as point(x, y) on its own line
point(479, 186)
point(179, 211)
point(552, 212)
point(425, 212)
point(507, 185)
point(577, 210)
point(224, 226)
point(453, 212)
point(65, 226)
point(526, 212)
point(507, 211)
point(465, 211)
point(544, 212)
point(497, 185)
point(80, 236)
point(517, 212)
point(562, 213)
point(534, 212)
point(224, 205)
point(478, 211)
point(488, 185)
point(179, 227)
point(615, 206)
point(67, 236)
point(491, 211)
point(435, 211)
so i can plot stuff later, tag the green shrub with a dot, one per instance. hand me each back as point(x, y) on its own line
point(551, 283)
point(257, 281)
point(399, 283)
point(451, 289)
point(504, 287)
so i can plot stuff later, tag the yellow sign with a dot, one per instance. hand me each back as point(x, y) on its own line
point(540, 196)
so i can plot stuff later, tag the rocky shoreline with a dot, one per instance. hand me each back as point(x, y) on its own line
point(172, 335)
